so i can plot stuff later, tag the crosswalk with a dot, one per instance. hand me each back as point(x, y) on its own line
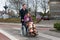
point(12, 37)
point(49, 37)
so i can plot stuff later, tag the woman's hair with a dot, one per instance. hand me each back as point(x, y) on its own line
point(29, 13)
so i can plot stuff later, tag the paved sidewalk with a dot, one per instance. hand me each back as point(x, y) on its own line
point(3, 37)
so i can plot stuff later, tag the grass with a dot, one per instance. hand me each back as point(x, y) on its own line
point(14, 20)
point(10, 20)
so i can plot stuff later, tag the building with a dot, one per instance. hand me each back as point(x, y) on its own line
point(55, 8)
point(1, 13)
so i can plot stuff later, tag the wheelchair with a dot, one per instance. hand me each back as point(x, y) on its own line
point(31, 29)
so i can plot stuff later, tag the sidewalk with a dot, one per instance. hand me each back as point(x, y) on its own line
point(40, 25)
point(3, 37)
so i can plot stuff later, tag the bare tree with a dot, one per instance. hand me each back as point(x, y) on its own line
point(44, 5)
point(11, 13)
point(36, 6)
point(16, 3)
point(33, 4)
point(27, 4)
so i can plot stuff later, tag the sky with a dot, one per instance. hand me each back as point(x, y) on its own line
point(2, 3)
point(39, 9)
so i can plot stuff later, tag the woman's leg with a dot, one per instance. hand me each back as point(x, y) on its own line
point(26, 30)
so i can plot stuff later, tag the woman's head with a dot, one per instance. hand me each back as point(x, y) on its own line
point(28, 14)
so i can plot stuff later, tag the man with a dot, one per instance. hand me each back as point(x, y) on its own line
point(22, 13)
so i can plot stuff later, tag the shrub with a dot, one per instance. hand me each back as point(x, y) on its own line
point(57, 26)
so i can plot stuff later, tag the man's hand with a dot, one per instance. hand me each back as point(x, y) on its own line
point(22, 19)
point(18, 16)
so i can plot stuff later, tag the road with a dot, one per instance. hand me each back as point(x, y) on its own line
point(13, 32)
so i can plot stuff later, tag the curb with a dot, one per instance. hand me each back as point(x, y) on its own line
point(8, 35)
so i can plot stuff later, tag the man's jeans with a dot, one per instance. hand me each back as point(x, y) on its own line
point(24, 29)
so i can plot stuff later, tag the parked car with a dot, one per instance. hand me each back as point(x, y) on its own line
point(45, 18)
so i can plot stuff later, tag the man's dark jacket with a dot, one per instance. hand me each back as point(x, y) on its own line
point(22, 13)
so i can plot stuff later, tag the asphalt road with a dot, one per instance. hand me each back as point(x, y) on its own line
point(13, 32)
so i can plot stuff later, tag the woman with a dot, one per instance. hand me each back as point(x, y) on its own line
point(30, 27)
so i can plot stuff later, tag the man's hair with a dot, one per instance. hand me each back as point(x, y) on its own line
point(23, 4)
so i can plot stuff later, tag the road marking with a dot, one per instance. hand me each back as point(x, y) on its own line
point(48, 36)
point(45, 35)
point(11, 23)
point(8, 35)
point(41, 25)
point(16, 28)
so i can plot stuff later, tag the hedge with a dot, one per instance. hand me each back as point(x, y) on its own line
point(57, 26)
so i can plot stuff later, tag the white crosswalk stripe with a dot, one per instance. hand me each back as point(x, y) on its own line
point(48, 36)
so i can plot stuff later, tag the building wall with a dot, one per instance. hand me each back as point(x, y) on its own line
point(55, 7)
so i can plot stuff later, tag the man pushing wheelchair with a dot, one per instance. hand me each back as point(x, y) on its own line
point(27, 22)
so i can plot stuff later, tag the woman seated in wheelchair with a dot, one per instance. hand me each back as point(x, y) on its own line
point(31, 28)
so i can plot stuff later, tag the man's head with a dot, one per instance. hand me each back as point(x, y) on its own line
point(24, 6)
